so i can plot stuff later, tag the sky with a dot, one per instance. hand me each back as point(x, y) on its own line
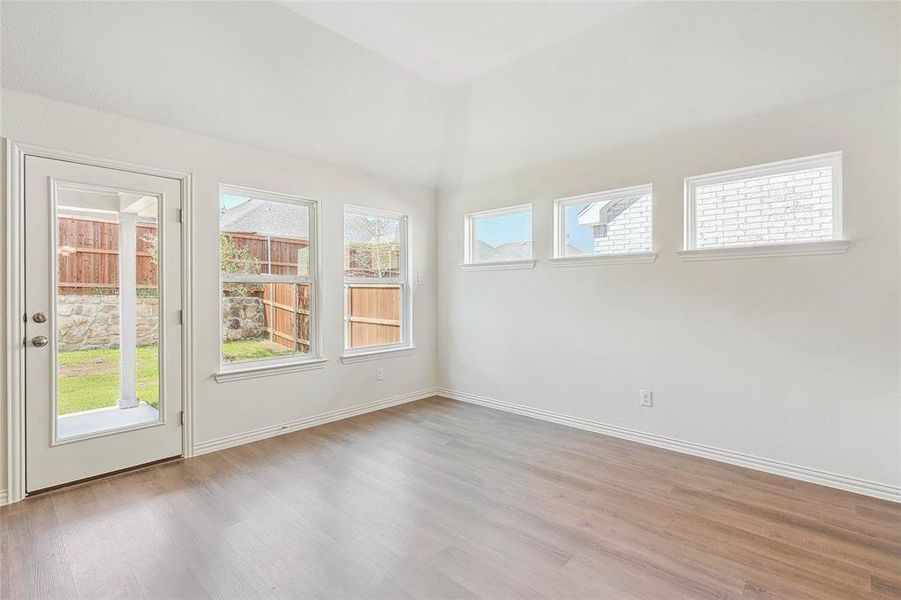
point(578, 236)
point(509, 228)
point(517, 228)
point(229, 201)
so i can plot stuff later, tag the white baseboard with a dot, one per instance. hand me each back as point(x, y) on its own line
point(307, 422)
point(4, 497)
point(833, 480)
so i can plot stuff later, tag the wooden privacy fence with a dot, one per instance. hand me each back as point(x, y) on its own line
point(287, 312)
point(373, 315)
point(89, 256)
point(89, 264)
point(273, 255)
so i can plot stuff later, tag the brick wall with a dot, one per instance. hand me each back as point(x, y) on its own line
point(778, 209)
point(629, 231)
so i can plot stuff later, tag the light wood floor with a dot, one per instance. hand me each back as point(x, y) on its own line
point(439, 499)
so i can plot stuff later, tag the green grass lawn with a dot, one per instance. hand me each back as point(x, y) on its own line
point(238, 350)
point(89, 379)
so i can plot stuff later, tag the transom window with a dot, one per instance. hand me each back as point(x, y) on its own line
point(376, 291)
point(615, 222)
point(788, 202)
point(499, 235)
point(269, 278)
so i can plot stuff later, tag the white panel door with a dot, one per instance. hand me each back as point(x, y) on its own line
point(103, 368)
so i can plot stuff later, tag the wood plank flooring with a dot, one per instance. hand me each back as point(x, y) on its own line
point(440, 499)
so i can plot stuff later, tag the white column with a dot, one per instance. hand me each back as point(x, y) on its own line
point(128, 306)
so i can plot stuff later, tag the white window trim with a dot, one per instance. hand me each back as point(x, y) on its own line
point(837, 245)
point(314, 359)
point(622, 258)
point(261, 370)
point(380, 352)
point(560, 258)
point(405, 346)
point(469, 241)
point(767, 250)
point(498, 265)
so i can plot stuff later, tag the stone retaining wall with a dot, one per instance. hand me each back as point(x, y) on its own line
point(243, 318)
point(87, 322)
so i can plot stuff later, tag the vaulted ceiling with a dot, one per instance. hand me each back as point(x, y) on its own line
point(451, 43)
point(441, 93)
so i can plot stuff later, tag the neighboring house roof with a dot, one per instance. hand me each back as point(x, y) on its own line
point(514, 251)
point(505, 251)
point(601, 213)
point(278, 219)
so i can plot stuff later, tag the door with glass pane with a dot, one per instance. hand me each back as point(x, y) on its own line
point(103, 341)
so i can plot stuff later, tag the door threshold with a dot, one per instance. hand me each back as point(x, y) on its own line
point(86, 480)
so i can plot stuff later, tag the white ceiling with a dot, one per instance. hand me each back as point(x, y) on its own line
point(541, 81)
point(449, 43)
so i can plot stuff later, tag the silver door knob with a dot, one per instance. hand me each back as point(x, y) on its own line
point(40, 341)
point(39, 317)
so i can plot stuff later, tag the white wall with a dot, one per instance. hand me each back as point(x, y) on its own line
point(663, 67)
point(790, 359)
point(231, 408)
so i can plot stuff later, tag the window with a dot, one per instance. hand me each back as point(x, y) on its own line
point(499, 236)
point(376, 293)
point(790, 202)
point(617, 222)
point(269, 278)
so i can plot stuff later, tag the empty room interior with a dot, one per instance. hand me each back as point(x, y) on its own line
point(439, 299)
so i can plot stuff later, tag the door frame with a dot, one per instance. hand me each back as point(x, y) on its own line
point(14, 272)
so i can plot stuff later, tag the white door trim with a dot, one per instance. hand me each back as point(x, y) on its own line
point(14, 272)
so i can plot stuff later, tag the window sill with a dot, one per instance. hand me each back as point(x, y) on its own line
point(499, 265)
point(356, 357)
point(604, 259)
point(239, 373)
point(767, 251)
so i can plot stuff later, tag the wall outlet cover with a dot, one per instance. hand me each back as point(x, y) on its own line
point(646, 398)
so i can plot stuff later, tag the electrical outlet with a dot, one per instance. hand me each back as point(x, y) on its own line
point(379, 374)
point(420, 279)
point(645, 398)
